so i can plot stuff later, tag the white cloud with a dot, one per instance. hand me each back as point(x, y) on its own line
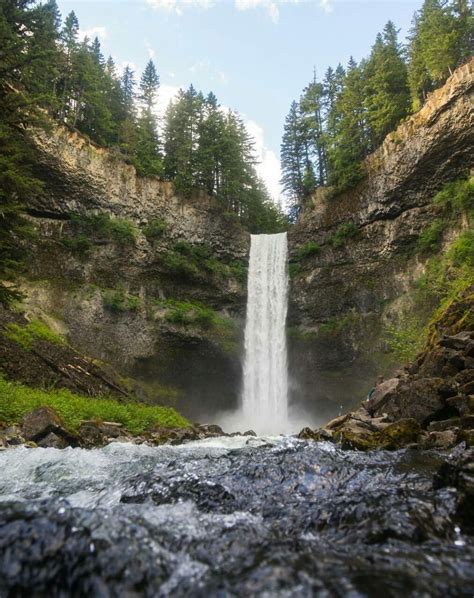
point(269, 164)
point(165, 94)
point(150, 50)
point(326, 5)
point(272, 7)
point(100, 32)
point(177, 6)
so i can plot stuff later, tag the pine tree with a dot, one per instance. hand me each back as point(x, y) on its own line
point(292, 154)
point(386, 85)
point(69, 39)
point(350, 144)
point(22, 46)
point(146, 155)
point(311, 113)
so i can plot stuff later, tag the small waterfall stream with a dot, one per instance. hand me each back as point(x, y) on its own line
point(265, 391)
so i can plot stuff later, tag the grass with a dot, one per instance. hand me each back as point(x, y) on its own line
point(119, 302)
point(34, 331)
point(190, 261)
point(457, 196)
point(16, 400)
point(430, 239)
point(347, 230)
point(307, 250)
point(119, 230)
point(154, 229)
point(185, 313)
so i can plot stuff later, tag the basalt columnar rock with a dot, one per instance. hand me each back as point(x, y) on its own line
point(355, 256)
point(136, 276)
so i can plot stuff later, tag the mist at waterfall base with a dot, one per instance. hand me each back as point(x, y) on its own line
point(264, 399)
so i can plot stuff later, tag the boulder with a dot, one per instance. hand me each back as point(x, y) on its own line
point(445, 424)
point(53, 440)
point(383, 394)
point(417, 399)
point(41, 423)
point(457, 341)
point(442, 440)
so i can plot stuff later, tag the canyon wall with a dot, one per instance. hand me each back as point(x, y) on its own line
point(137, 276)
point(359, 271)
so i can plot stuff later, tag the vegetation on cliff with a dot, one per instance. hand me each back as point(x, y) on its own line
point(338, 121)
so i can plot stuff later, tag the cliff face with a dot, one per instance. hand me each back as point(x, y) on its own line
point(361, 276)
point(137, 276)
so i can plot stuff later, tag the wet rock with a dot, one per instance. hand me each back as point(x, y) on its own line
point(417, 399)
point(210, 430)
point(458, 472)
point(383, 394)
point(249, 433)
point(11, 436)
point(90, 434)
point(464, 405)
point(44, 424)
point(53, 440)
point(442, 440)
point(467, 389)
point(464, 377)
point(467, 422)
point(457, 341)
point(445, 424)
point(309, 434)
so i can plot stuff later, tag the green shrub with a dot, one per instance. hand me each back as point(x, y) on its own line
point(118, 301)
point(120, 230)
point(34, 331)
point(179, 265)
point(430, 239)
point(80, 245)
point(347, 230)
point(186, 313)
point(294, 269)
point(406, 339)
point(17, 400)
point(307, 250)
point(154, 229)
point(458, 196)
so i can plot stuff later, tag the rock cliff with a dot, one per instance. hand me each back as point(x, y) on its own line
point(356, 256)
point(137, 276)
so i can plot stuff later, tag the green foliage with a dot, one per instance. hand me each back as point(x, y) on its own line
point(307, 250)
point(347, 230)
point(458, 197)
point(406, 339)
point(17, 400)
point(81, 245)
point(446, 277)
point(154, 229)
point(191, 261)
point(26, 336)
point(338, 121)
point(121, 231)
point(294, 269)
point(430, 239)
point(186, 313)
point(336, 325)
point(194, 314)
point(118, 301)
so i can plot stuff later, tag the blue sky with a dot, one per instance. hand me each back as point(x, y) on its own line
point(255, 55)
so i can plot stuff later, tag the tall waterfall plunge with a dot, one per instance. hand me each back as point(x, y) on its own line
point(265, 390)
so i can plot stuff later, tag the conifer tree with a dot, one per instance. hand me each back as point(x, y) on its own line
point(292, 155)
point(386, 85)
point(147, 157)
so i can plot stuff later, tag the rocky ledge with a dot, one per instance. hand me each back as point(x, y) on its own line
point(43, 428)
point(428, 404)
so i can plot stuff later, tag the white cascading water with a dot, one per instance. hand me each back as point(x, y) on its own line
point(265, 391)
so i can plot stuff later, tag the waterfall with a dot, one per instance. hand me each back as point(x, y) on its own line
point(265, 390)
